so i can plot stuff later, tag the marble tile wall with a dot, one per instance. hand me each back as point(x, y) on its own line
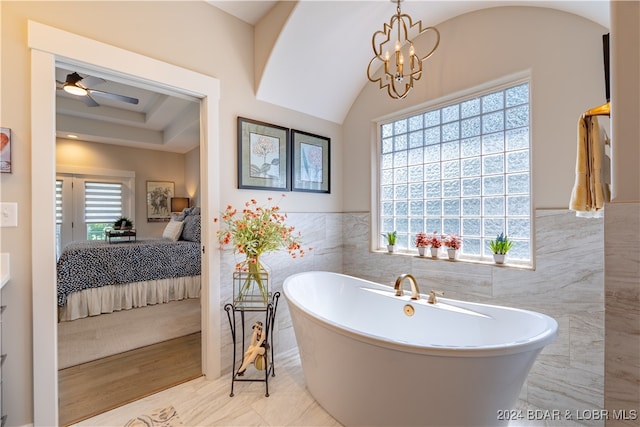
point(567, 284)
point(622, 302)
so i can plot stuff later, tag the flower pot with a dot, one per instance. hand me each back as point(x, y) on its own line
point(251, 284)
point(422, 250)
point(452, 253)
point(434, 252)
point(391, 248)
point(499, 258)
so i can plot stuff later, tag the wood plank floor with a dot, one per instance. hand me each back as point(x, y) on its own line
point(101, 385)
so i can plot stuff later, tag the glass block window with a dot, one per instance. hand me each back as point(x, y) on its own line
point(461, 168)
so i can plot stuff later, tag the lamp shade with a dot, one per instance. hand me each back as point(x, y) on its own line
point(178, 204)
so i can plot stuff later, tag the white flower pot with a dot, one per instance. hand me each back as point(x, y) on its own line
point(499, 258)
point(452, 253)
point(391, 248)
point(434, 252)
point(422, 251)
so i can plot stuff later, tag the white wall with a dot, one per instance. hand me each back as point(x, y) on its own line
point(563, 52)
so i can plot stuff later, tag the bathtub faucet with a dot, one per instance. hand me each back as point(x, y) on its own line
point(415, 292)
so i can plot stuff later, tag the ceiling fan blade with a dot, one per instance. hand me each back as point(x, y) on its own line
point(89, 101)
point(114, 96)
point(91, 81)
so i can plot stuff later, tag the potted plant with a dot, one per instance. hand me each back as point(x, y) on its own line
point(500, 247)
point(453, 243)
point(255, 231)
point(123, 223)
point(436, 242)
point(391, 237)
point(422, 242)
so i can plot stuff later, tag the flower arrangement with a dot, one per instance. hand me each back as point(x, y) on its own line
point(435, 240)
point(422, 240)
point(452, 241)
point(254, 231)
point(501, 245)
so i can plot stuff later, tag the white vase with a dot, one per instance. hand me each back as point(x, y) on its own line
point(452, 253)
point(434, 252)
point(422, 251)
point(499, 258)
point(391, 248)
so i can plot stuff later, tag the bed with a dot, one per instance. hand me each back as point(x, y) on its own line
point(96, 277)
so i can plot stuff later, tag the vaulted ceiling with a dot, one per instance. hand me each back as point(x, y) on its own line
point(339, 30)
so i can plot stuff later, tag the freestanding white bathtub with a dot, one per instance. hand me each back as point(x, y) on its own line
point(452, 363)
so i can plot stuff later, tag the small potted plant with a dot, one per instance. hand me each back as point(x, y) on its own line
point(500, 247)
point(391, 237)
point(123, 223)
point(436, 242)
point(422, 242)
point(453, 243)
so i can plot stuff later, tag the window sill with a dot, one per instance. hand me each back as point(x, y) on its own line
point(476, 261)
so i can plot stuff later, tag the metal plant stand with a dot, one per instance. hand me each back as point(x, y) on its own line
point(270, 315)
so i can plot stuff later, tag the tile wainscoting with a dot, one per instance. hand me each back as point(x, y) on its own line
point(567, 284)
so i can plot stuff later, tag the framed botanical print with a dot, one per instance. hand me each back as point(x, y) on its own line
point(263, 155)
point(5, 150)
point(159, 193)
point(311, 162)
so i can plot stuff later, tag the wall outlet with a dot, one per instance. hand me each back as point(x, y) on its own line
point(9, 214)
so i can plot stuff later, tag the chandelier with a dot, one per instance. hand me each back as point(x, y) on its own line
point(398, 76)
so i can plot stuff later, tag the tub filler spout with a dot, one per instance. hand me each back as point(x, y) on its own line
point(415, 291)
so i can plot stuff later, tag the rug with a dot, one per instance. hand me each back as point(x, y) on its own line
point(164, 417)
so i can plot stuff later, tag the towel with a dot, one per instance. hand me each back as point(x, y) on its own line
point(587, 197)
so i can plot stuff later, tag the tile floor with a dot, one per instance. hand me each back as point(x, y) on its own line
point(207, 403)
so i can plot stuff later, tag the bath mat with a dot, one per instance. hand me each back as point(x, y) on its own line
point(164, 417)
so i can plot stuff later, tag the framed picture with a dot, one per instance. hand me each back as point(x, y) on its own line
point(5, 150)
point(159, 194)
point(263, 155)
point(311, 162)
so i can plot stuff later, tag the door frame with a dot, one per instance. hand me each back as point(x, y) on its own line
point(49, 45)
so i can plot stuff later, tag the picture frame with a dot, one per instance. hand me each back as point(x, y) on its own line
point(159, 194)
point(311, 167)
point(5, 150)
point(263, 155)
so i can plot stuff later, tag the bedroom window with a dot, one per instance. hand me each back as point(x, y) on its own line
point(86, 205)
point(460, 168)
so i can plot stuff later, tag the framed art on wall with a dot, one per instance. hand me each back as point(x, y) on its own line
point(158, 195)
point(5, 150)
point(263, 155)
point(311, 162)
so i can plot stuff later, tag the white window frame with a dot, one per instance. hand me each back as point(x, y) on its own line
point(376, 244)
point(75, 198)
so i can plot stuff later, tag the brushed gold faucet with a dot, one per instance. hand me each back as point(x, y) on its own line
point(432, 296)
point(415, 291)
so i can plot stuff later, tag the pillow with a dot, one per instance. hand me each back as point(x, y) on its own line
point(191, 229)
point(173, 230)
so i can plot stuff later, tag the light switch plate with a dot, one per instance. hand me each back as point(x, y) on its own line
point(8, 214)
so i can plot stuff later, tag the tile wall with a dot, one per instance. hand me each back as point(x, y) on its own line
point(567, 284)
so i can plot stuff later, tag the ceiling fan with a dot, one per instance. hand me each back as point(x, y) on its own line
point(77, 85)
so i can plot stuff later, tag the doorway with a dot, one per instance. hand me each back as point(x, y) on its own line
point(48, 45)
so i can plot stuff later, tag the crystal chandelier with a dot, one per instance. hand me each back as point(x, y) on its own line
point(398, 76)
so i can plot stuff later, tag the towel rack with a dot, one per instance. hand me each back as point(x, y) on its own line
point(602, 110)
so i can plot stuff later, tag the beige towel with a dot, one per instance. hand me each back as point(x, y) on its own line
point(587, 197)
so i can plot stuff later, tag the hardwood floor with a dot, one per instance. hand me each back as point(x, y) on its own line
point(95, 387)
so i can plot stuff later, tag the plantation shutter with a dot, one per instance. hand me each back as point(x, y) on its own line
point(102, 202)
point(59, 211)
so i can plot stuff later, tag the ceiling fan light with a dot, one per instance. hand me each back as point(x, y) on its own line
point(74, 90)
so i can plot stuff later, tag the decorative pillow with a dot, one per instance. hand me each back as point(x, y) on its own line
point(173, 230)
point(191, 229)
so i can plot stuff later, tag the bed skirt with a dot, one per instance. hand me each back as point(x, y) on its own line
point(107, 299)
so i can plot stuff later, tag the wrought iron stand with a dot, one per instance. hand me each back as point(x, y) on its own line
point(270, 315)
